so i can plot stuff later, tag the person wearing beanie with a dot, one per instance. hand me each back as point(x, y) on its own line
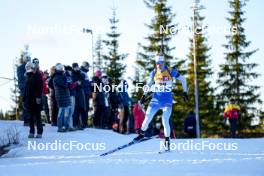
point(72, 85)
point(98, 100)
point(53, 104)
point(62, 95)
point(80, 103)
point(126, 102)
point(45, 97)
point(98, 74)
point(21, 70)
point(87, 90)
point(45, 89)
point(32, 99)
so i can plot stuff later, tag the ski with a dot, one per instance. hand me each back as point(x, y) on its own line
point(164, 151)
point(125, 146)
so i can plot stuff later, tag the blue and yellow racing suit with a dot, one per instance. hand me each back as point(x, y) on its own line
point(160, 83)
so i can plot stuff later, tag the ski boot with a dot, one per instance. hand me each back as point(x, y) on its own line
point(39, 136)
point(167, 144)
point(31, 135)
point(140, 136)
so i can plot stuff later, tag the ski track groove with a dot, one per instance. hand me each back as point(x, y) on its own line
point(82, 160)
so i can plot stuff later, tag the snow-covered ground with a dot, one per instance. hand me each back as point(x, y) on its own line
point(243, 157)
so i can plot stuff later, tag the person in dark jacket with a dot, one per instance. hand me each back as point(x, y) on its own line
point(45, 89)
point(45, 97)
point(21, 70)
point(32, 99)
point(72, 85)
point(126, 101)
point(53, 104)
point(115, 104)
point(190, 125)
point(106, 119)
point(62, 95)
point(87, 90)
point(80, 102)
point(98, 100)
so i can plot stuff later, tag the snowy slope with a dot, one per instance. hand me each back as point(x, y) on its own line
point(140, 159)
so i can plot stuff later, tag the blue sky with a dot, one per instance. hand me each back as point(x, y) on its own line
point(52, 28)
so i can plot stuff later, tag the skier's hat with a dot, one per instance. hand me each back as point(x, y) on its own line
point(159, 59)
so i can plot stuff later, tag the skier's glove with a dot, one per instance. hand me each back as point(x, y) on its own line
point(142, 99)
point(185, 96)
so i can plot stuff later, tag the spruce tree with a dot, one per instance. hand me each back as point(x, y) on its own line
point(237, 73)
point(137, 79)
point(114, 66)
point(99, 54)
point(158, 41)
point(17, 107)
point(1, 115)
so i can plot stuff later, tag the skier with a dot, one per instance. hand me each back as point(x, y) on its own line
point(161, 81)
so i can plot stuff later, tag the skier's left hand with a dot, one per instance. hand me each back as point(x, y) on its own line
point(185, 96)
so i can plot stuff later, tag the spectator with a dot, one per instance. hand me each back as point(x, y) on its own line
point(45, 89)
point(45, 97)
point(232, 113)
point(32, 99)
point(21, 70)
point(131, 121)
point(87, 91)
point(53, 104)
point(98, 100)
point(68, 74)
point(126, 101)
point(190, 125)
point(62, 95)
point(115, 104)
point(80, 102)
point(106, 121)
point(139, 116)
